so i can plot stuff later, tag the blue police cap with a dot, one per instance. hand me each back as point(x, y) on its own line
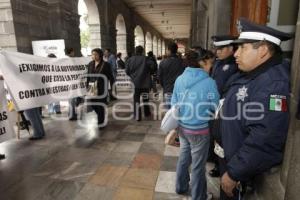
point(222, 40)
point(251, 32)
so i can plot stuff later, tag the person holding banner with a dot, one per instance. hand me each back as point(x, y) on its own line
point(35, 119)
point(74, 101)
point(54, 107)
point(2, 156)
point(99, 72)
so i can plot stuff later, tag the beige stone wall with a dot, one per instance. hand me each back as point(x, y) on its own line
point(7, 30)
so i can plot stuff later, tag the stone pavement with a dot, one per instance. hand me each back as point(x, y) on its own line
point(126, 161)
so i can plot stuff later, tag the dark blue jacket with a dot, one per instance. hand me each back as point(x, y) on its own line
point(222, 71)
point(168, 71)
point(254, 141)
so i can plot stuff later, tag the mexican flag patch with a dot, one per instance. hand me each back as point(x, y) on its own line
point(278, 103)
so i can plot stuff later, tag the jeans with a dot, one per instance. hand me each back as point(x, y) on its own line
point(167, 100)
point(193, 150)
point(35, 119)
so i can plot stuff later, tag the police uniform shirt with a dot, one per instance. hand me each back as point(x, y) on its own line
point(253, 141)
point(222, 71)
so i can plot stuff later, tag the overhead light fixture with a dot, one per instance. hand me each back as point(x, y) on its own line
point(151, 5)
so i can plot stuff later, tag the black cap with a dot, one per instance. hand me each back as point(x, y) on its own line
point(223, 40)
point(252, 32)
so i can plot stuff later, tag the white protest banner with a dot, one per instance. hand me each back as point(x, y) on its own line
point(45, 47)
point(35, 81)
point(123, 82)
point(6, 132)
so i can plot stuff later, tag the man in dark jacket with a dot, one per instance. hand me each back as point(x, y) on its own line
point(169, 70)
point(254, 116)
point(138, 68)
point(153, 72)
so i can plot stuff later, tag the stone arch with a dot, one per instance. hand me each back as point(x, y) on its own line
point(89, 23)
point(159, 52)
point(139, 38)
point(148, 42)
point(155, 45)
point(121, 36)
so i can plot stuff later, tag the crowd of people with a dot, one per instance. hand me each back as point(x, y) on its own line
point(246, 72)
point(210, 86)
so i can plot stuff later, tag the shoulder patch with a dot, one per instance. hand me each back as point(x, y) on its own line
point(225, 67)
point(278, 103)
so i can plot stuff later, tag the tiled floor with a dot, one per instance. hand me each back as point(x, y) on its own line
point(126, 161)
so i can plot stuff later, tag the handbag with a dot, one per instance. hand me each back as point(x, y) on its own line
point(170, 120)
point(171, 138)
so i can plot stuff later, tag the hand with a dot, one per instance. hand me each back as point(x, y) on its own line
point(228, 184)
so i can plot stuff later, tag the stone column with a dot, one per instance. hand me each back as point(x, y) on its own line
point(95, 40)
point(219, 16)
point(7, 30)
point(199, 23)
point(293, 180)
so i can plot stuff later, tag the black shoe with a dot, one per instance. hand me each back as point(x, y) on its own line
point(59, 112)
point(214, 172)
point(33, 138)
point(182, 192)
point(2, 156)
point(101, 128)
point(73, 118)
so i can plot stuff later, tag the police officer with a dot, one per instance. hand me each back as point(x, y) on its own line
point(254, 116)
point(224, 67)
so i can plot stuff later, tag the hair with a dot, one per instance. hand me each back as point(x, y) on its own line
point(192, 58)
point(173, 47)
point(273, 48)
point(98, 51)
point(139, 50)
point(119, 55)
point(150, 54)
point(129, 54)
point(69, 50)
point(206, 54)
point(51, 55)
point(197, 48)
point(108, 49)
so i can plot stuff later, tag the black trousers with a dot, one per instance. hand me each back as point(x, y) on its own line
point(138, 92)
point(99, 106)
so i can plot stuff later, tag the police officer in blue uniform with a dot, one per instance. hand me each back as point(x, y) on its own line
point(224, 67)
point(253, 118)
